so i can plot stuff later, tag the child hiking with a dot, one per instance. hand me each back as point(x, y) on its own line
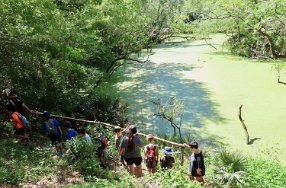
point(102, 145)
point(52, 127)
point(118, 137)
point(70, 133)
point(21, 124)
point(151, 154)
point(130, 145)
point(167, 161)
point(197, 166)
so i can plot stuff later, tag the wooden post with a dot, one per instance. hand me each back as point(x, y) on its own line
point(243, 125)
point(182, 156)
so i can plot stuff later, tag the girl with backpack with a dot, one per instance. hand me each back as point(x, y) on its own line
point(151, 154)
point(130, 145)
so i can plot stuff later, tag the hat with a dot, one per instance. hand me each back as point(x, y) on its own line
point(68, 124)
point(131, 129)
point(194, 144)
point(167, 150)
point(46, 114)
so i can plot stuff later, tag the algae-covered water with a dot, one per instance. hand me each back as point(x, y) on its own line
point(211, 84)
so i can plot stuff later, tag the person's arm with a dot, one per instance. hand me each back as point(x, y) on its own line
point(173, 162)
point(121, 146)
point(200, 165)
point(161, 161)
point(27, 108)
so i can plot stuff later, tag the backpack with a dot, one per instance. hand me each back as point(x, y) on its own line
point(103, 144)
point(24, 121)
point(103, 141)
point(150, 157)
point(167, 162)
point(51, 128)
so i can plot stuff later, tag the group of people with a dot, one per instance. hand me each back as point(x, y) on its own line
point(128, 146)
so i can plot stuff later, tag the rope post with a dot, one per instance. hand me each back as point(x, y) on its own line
point(30, 123)
point(182, 156)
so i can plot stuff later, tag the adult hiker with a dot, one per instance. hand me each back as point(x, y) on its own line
point(53, 129)
point(151, 154)
point(197, 166)
point(21, 124)
point(130, 147)
point(167, 161)
point(15, 103)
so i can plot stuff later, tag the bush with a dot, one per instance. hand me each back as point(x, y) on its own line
point(227, 168)
point(262, 173)
point(174, 178)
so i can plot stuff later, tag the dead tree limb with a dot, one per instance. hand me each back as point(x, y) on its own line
point(243, 125)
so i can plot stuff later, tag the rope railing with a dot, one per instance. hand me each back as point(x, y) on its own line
point(174, 144)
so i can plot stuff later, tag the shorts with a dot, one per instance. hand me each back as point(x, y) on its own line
point(55, 139)
point(130, 161)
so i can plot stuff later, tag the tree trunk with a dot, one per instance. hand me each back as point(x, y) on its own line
point(182, 156)
point(243, 125)
point(174, 127)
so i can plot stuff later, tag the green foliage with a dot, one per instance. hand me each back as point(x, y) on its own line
point(79, 149)
point(125, 181)
point(109, 109)
point(18, 162)
point(256, 28)
point(262, 173)
point(172, 111)
point(173, 178)
point(11, 174)
point(230, 167)
point(56, 53)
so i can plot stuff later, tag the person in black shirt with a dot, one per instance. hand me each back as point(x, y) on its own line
point(15, 104)
point(197, 166)
point(167, 161)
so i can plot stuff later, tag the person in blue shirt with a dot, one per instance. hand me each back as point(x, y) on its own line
point(53, 129)
point(71, 133)
point(83, 134)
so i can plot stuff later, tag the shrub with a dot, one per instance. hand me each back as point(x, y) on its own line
point(230, 166)
point(261, 173)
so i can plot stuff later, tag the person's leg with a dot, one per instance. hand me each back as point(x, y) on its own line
point(131, 169)
point(149, 170)
point(138, 167)
point(200, 179)
point(139, 170)
point(130, 165)
point(153, 170)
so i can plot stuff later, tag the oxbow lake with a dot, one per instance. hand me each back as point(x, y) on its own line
point(211, 84)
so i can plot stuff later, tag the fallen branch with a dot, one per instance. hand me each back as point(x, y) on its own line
point(243, 125)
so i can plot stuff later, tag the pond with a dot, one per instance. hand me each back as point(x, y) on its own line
point(211, 84)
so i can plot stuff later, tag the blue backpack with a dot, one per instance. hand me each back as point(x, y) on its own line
point(24, 121)
point(51, 128)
